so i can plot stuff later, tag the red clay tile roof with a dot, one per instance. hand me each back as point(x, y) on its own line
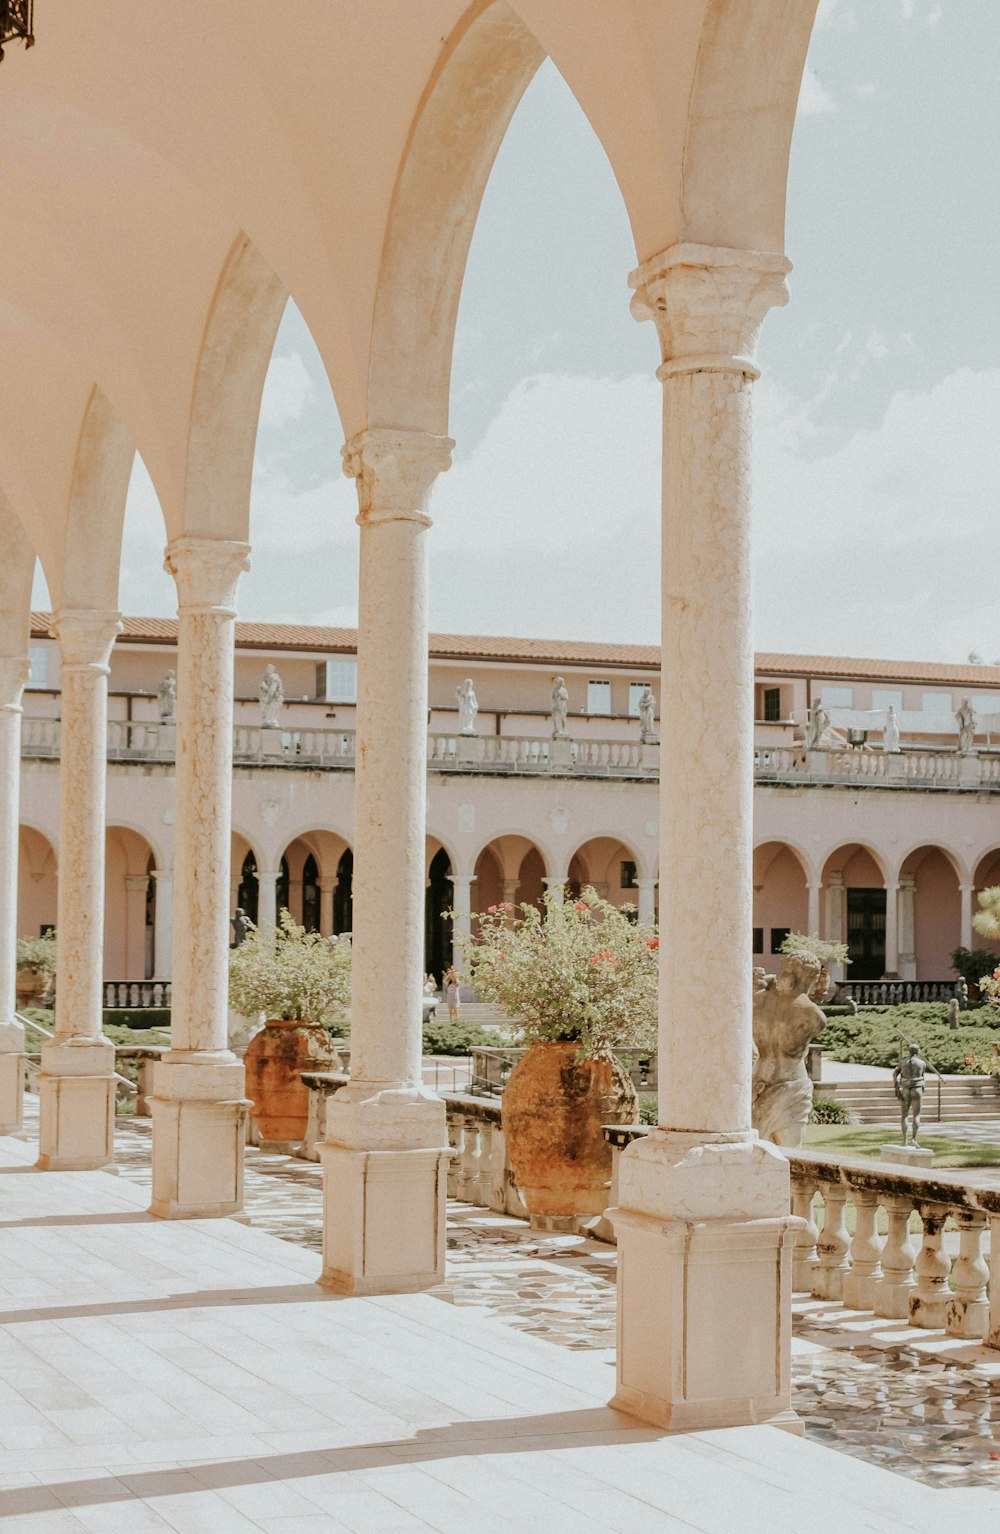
point(332, 641)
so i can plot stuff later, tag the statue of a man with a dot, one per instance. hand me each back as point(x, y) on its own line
point(819, 723)
point(167, 694)
point(468, 707)
point(965, 718)
point(647, 716)
point(785, 1022)
point(890, 734)
point(908, 1081)
point(560, 708)
point(241, 925)
point(962, 992)
point(272, 696)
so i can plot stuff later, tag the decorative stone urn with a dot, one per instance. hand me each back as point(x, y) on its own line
point(274, 1060)
point(554, 1106)
point(30, 986)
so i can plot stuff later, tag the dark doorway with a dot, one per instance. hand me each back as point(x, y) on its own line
point(310, 894)
point(343, 899)
point(866, 934)
point(281, 888)
point(437, 930)
point(247, 896)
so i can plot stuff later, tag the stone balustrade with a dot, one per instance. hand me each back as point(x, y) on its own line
point(124, 994)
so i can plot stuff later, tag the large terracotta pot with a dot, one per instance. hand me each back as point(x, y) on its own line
point(553, 1108)
point(274, 1060)
point(30, 986)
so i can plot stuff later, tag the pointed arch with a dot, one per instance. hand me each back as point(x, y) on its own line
point(101, 474)
point(17, 569)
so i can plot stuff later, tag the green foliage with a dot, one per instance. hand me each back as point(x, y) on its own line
point(122, 1033)
point(827, 1110)
point(584, 971)
point(987, 918)
point(840, 1010)
point(973, 963)
point(648, 1109)
point(36, 954)
point(290, 974)
point(457, 1038)
point(872, 1038)
point(136, 1017)
point(825, 952)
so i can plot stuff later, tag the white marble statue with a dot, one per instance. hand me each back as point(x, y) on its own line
point(890, 732)
point(965, 718)
point(468, 707)
point(167, 694)
point(647, 716)
point(560, 708)
point(819, 723)
point(785, 1022)
point(272, 696)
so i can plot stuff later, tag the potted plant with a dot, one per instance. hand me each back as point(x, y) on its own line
point(300, 982)
point(35, 964)
point(581, 979)
point(826, 952)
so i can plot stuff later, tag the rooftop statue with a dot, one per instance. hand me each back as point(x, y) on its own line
point(785, 1022)
point(272, 696)
point(647, 716)
point(965, 718)
point(167, 694)
point(560, 708)
point(468, 707)
point(890, 733)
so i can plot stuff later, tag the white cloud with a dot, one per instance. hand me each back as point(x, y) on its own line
point(288, 519)
point(814, 98)
point(287, 387)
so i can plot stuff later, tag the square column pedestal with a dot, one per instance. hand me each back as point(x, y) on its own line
point(704, 1282)
point(76, 1104)
point(385, 1166)
point(199, 1114)
point(11, 1077)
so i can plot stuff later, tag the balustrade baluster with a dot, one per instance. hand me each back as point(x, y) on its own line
point(469, 1172)
point(893, 1290)
point(498, 1166)
point(933, 1267)
point(833, 1262)
point(866, 1254)
point(804, 1255)
point(456, 1135)
point(484, 1182)
point(966, 1312)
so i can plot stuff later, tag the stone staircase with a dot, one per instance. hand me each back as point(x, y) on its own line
point(484, 1013)
point(968, 1098)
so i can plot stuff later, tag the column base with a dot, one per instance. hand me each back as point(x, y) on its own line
point(76, 1104)
point(705, 1247)
point(385, 1165)
point(199, 1117)
point(892, 1301)
point(11, 1078)
point(859, 1290)
point(966, 1318)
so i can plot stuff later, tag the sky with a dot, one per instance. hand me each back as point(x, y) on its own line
point(877, 448)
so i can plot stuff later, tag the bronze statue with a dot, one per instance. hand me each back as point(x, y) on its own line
point(908, 1082)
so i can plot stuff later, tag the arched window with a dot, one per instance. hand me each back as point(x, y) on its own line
point(310, 894)
point(437, 929)
point(343, 898)
point(247, 895)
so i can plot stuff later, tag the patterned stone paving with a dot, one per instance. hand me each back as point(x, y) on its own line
point(889, 1402)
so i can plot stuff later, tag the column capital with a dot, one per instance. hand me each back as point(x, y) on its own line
point(207, 571)
point(646, 884)
point(395, 471)
point(164, 874)
point(708, 303)
point(85, 637)
point(136, 882)
point(14, 672)
point(327, 883)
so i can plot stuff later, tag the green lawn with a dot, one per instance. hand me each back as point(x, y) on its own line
point(865, 1140)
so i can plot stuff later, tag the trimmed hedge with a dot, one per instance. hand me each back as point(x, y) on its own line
point(458, 1038)
point(827, 1110)
point(872, 1038)
point(137, 1017)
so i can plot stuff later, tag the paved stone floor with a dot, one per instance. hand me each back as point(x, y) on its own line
point(881, 1392)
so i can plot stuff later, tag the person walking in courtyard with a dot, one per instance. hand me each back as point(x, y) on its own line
point(452, 994)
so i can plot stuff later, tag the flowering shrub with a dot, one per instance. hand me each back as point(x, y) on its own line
point(826, 952)
point(298, 976)
point(987, 1060)
point(582, 971)
point(37, 954)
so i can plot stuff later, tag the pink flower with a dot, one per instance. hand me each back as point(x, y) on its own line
point(581, 905)
point(652, 942)
point(506, 906)
point(491, 910)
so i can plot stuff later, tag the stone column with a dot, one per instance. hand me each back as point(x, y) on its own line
point(327, 885)
point(76, 1084)
point(814, 889)
point(557, 887)
point(510, 889)
point(833, 928)
point(267, 898)
point(136, 886)
point(386, 1152)
point(891, 928)
point(907, 930)
point(704, 1232)
point(461, 885)
point(647, 899)
point(13, 675)
point(198, 1104)
point(163, 924)
point(965, 893)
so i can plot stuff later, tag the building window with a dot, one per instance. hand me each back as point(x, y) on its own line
point(337, 681)
point(887, 697)
point(758, 939)
point(635, 692)
point(627, 878)
point(38, 655)
point(598, 697)
point(778, 935)
point(772, 705)
point(837, 697)
point(935, 702)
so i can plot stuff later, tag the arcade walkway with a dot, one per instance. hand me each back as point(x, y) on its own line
point(191, 1376)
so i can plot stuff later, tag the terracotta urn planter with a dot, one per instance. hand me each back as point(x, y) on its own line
point(553, 1108)
point(274, 1060)
point(30, 985)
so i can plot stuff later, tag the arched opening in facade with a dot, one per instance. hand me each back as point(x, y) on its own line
point(987, 876)
point(438, 945)
point(780, 901)
point(314, 882)
point(854, 910)
point(610, 866)
point(509, 868)
point(129, 906)
point(37, 886)
point(929, 914)
point(246, 891)
point(343, 894)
